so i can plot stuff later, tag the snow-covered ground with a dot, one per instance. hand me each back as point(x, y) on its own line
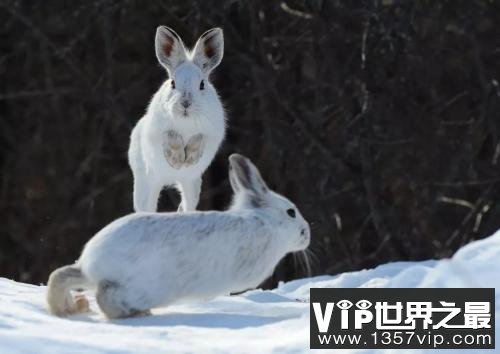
point(255, 322)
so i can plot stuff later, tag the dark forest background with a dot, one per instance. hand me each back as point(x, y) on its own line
point(379, 119)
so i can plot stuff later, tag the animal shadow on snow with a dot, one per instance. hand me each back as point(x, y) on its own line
point(210, 319)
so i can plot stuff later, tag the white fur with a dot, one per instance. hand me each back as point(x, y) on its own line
point(205, 116)
point(157, 259)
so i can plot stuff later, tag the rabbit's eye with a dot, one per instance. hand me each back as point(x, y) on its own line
point(202, 85)
point(291, 213)
point(172, 83)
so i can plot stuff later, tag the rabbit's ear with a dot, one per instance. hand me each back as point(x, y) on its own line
point(209, 50)
point(233, 181)
point(245, 176)
point(169, 48)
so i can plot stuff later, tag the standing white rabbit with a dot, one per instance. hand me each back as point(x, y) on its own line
point(175, 141)
point(146, 260)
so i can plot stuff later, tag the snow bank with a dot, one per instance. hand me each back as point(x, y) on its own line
point(255, 322)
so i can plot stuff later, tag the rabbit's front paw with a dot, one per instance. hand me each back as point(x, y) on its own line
point(175, 158)
point(194, 149)
point(173, 149)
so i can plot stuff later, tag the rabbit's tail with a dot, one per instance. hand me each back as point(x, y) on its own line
point(61, 282)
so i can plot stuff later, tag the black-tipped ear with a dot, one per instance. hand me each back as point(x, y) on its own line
point(169, 48)
point(246, 176)
point(209, 50)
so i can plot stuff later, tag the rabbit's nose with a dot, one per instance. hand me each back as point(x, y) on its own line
point(186, 103)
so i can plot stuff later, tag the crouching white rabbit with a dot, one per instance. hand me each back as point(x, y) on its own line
point(146, 260)
point(175, 141)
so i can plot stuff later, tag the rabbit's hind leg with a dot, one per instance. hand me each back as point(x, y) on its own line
point(112, 300)
point(190, 194)
point(146, 193)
